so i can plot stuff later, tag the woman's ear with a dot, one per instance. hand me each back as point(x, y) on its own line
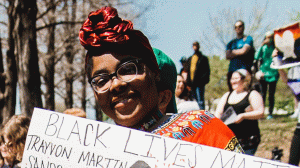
point(164, 99)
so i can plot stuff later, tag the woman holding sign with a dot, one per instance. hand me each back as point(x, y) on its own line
point(123, 72)
point(247, 107)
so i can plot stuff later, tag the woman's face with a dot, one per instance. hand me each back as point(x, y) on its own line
point(179, 86)
point(236, 81)
point(127, 103)
point(6, 149)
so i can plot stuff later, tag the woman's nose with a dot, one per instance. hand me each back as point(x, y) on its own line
point(117, 84)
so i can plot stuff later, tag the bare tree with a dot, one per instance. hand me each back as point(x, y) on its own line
point(83, 82)
point(49, 60)
point(58, 51)
point(215, 38)
point(27, 55)
point(70, 14)
point(8, 78)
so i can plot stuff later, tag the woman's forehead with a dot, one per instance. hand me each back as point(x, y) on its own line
point(112, 58)
point(236, 74)
point(108, 62)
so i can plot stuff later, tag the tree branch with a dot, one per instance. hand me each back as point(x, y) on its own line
point(59, 23)
point(3, 5)
point(48, 9)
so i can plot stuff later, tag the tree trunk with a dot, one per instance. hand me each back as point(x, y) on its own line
point(8, 79)
point(69, 79)
point(27, 57)
point(70, 55)
point(49, 62)
point(2, 83)
point(99, 113)
point(83, 91)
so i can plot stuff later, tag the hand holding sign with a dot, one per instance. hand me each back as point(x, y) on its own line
point(287, 41)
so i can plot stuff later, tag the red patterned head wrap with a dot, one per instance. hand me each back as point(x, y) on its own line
point(104, 31)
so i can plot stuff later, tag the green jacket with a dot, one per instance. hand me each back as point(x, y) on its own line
point(265, 54)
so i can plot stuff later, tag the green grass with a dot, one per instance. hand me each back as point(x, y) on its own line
point(277, 132)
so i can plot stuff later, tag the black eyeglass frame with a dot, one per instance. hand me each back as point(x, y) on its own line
point(136, 62)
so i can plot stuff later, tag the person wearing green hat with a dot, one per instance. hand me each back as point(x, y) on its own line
point(168, 77)
point(266, 75)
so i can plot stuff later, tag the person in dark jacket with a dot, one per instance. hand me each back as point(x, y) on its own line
point(198, 70)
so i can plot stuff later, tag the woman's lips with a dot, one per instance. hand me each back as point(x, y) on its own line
point(119, 99)
point(123, 101)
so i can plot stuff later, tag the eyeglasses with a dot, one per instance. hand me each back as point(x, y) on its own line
point(240, 26)
point(126, 72)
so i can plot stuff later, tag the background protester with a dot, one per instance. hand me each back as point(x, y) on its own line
point(183, 71)
point(293, 76)
point(198, 72)
point(248, 106)
point(184, 100)
point(78, 112)
point(168, 77)
point(13, 136)
point(294, 158)
point(125, 76)
point(239, 51)
point(266, 75)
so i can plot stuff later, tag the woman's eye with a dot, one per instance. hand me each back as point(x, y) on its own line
point(127, 70)
point(101, 81)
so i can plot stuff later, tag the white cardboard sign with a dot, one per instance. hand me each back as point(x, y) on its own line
point(57, 140)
